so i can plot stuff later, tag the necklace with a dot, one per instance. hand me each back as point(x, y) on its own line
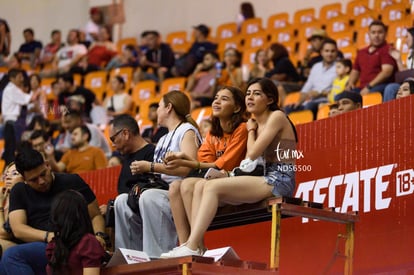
point(162, 150)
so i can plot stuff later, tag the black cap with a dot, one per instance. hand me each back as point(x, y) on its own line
point(355, 97)
point(203, 29)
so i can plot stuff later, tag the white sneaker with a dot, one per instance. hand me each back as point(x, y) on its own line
point(181, 251)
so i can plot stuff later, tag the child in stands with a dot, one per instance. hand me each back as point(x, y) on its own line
point(343, 68)
point(74, 248)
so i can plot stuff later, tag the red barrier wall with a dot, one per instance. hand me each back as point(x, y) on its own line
point(361, 161)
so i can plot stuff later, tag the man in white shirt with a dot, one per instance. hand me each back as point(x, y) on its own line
point(68, 56)
point(11, 105)
point(320, 80)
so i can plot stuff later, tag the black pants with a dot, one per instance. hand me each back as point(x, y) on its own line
point(9, 141)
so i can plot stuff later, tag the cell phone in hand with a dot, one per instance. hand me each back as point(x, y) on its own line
point(213, 173)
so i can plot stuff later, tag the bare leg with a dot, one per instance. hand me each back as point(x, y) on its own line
point(243, 189)
point(178, 212)
point(197, 195)
point(187, 189)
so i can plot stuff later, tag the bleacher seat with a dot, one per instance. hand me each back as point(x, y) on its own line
point(323, 112)
point(120, 45)
point(226, 30)
point(303, 16)
point(174, 83)
point(301, 117)
point(371, 99)
point(143, 90)
point(199, 114)
point(96, 81)
point(330, 11)
point(277, 21)
point(291, 98)
point(251, 25)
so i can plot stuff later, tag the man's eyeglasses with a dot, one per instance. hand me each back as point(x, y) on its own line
point(113, 137)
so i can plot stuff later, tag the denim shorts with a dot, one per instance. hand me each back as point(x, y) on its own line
point(282, 177)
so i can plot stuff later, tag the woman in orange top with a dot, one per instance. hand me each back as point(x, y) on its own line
point(223, 148)
point(231, 74)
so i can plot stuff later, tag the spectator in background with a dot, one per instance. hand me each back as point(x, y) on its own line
point(333, 110)
point(406, 88)
point(102, 50)
point(49, 51)
point(30, 50)
point(202, 82)
point(187, 63)
point(313, 55)
point(81, 158)
point(67, 56)
point(69, 89)
point(231, 74)
point(91, 28)
point(374, 66)
point(114, 161)
point(159, 57)
point(72, 119)
point(155, 132)
point(261, 65)
point(5, 41)
point(343, 67)
point(129, 57)
point(284, 73)
point(348, 101)
point(391, 89)
point(320, 80)
point(13, 99)
point(246, 12)
point(205, 127)
point(120, 102)
point(40, 106)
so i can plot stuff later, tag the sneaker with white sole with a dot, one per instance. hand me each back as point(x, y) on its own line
point(181, 251)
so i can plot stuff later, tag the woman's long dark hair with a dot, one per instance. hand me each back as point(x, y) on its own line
point(70, 220)
point(236, 118)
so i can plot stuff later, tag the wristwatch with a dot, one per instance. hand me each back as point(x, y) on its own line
point(105, 237)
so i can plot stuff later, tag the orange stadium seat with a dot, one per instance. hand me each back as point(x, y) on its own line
point(349, 52)
point(306, 30)
point(96, 81)
point(291, 98)
point(330, 11)
point(283, 35)
point(233, 42)
point(301, 117)
point(120, 45)
point(3, 71)
point(303, 16)
point(277, 21)
point(77, 78)
point(323, 112)
point(143, 90)
point(380, 5)
point(357, 7)
point(371, 99)
point(251, 25)
point(362, 38)
point(144, 108)
point(226, 30)
point(170, 84)
point(249, 56)
point(202, 113)
point(125, 73)
point(255, 40)
point(363, 20)
point(46, 86)
point(337, 24)
point(178, 41)
point(394, 12)
point(343, 39)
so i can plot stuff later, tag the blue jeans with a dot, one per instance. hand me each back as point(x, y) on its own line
point(377, 88)
point(391, 91)
point(27, 259)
